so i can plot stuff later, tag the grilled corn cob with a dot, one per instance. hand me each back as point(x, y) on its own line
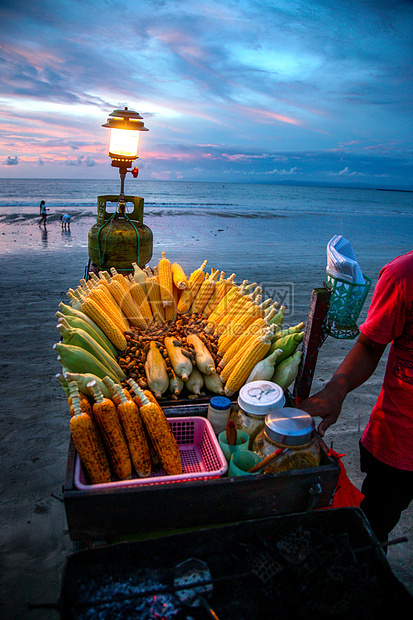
point(87, 442)
point(108, 423)
point(160, 433)
point(134, 431)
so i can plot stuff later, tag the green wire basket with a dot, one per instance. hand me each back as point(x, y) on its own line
point(346, 302)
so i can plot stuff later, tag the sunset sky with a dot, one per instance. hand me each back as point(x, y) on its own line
point(313, 91)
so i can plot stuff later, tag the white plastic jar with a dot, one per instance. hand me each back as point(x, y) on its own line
point(256, 399)
point(218, 413)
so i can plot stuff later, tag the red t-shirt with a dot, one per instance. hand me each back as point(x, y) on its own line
point(389, 432)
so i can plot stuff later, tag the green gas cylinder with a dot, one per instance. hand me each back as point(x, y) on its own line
point(119, 238)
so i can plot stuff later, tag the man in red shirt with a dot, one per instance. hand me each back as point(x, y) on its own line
point(386, 446)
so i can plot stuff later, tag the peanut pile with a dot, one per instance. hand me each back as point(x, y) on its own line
point(133, 358)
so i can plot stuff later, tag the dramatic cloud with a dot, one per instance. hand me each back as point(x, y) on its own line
point(241, 82)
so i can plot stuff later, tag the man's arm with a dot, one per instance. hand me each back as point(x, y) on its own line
point(356, 368)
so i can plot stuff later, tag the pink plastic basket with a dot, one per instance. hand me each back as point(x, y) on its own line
point(201, 457)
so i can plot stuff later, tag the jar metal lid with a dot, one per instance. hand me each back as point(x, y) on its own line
point(261, 397)
point(289, 426)
point(220, 402)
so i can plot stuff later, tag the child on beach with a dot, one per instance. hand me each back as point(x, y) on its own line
point(65, 219)
point(43, 213)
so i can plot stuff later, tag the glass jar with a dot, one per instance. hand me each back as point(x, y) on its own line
point(256, 399)
point(292, 430)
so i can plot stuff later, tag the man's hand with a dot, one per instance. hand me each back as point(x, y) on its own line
point(326, 405)
point(358, 365)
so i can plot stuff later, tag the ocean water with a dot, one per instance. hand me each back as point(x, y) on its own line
point(20, 197)
point(271, 231)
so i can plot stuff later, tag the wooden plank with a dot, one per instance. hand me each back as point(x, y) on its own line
point(315, 334)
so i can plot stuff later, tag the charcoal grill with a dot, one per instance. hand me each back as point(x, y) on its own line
point(321, 564)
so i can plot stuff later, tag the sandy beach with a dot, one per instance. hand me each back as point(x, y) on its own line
point(37, 270)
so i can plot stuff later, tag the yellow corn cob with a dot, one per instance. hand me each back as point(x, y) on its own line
point(223, 306)
point(236, 309)
point(214, 298)
point(140, 298)
point(86, 286)
point(109, 305)
point(179, 277)
point(93, 277)
point(126, 304)
point(246, 363)
point(204, 293)
point(203, 357)
point(222, 287)
point(155, 299)
point(134, 431)
point(160, 433)
point(188, 295)
point(198, 273)
point(139, 276)
point(242, 352)
point(248, 315)
point(230, 342)
point(105, 322)
point(172, 310)
point(155, 370)
point(241, 339)
point(165, 280)
point(108, 423)
point(119, 277)
point(87, 442)
point(181, 364)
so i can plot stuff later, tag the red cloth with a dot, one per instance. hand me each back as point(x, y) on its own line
point(346, 494)
point(389, 433)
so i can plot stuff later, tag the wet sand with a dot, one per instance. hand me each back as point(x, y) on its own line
point(37, 270)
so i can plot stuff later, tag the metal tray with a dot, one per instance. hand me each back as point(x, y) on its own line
point(321, 564)
point(115, 514)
